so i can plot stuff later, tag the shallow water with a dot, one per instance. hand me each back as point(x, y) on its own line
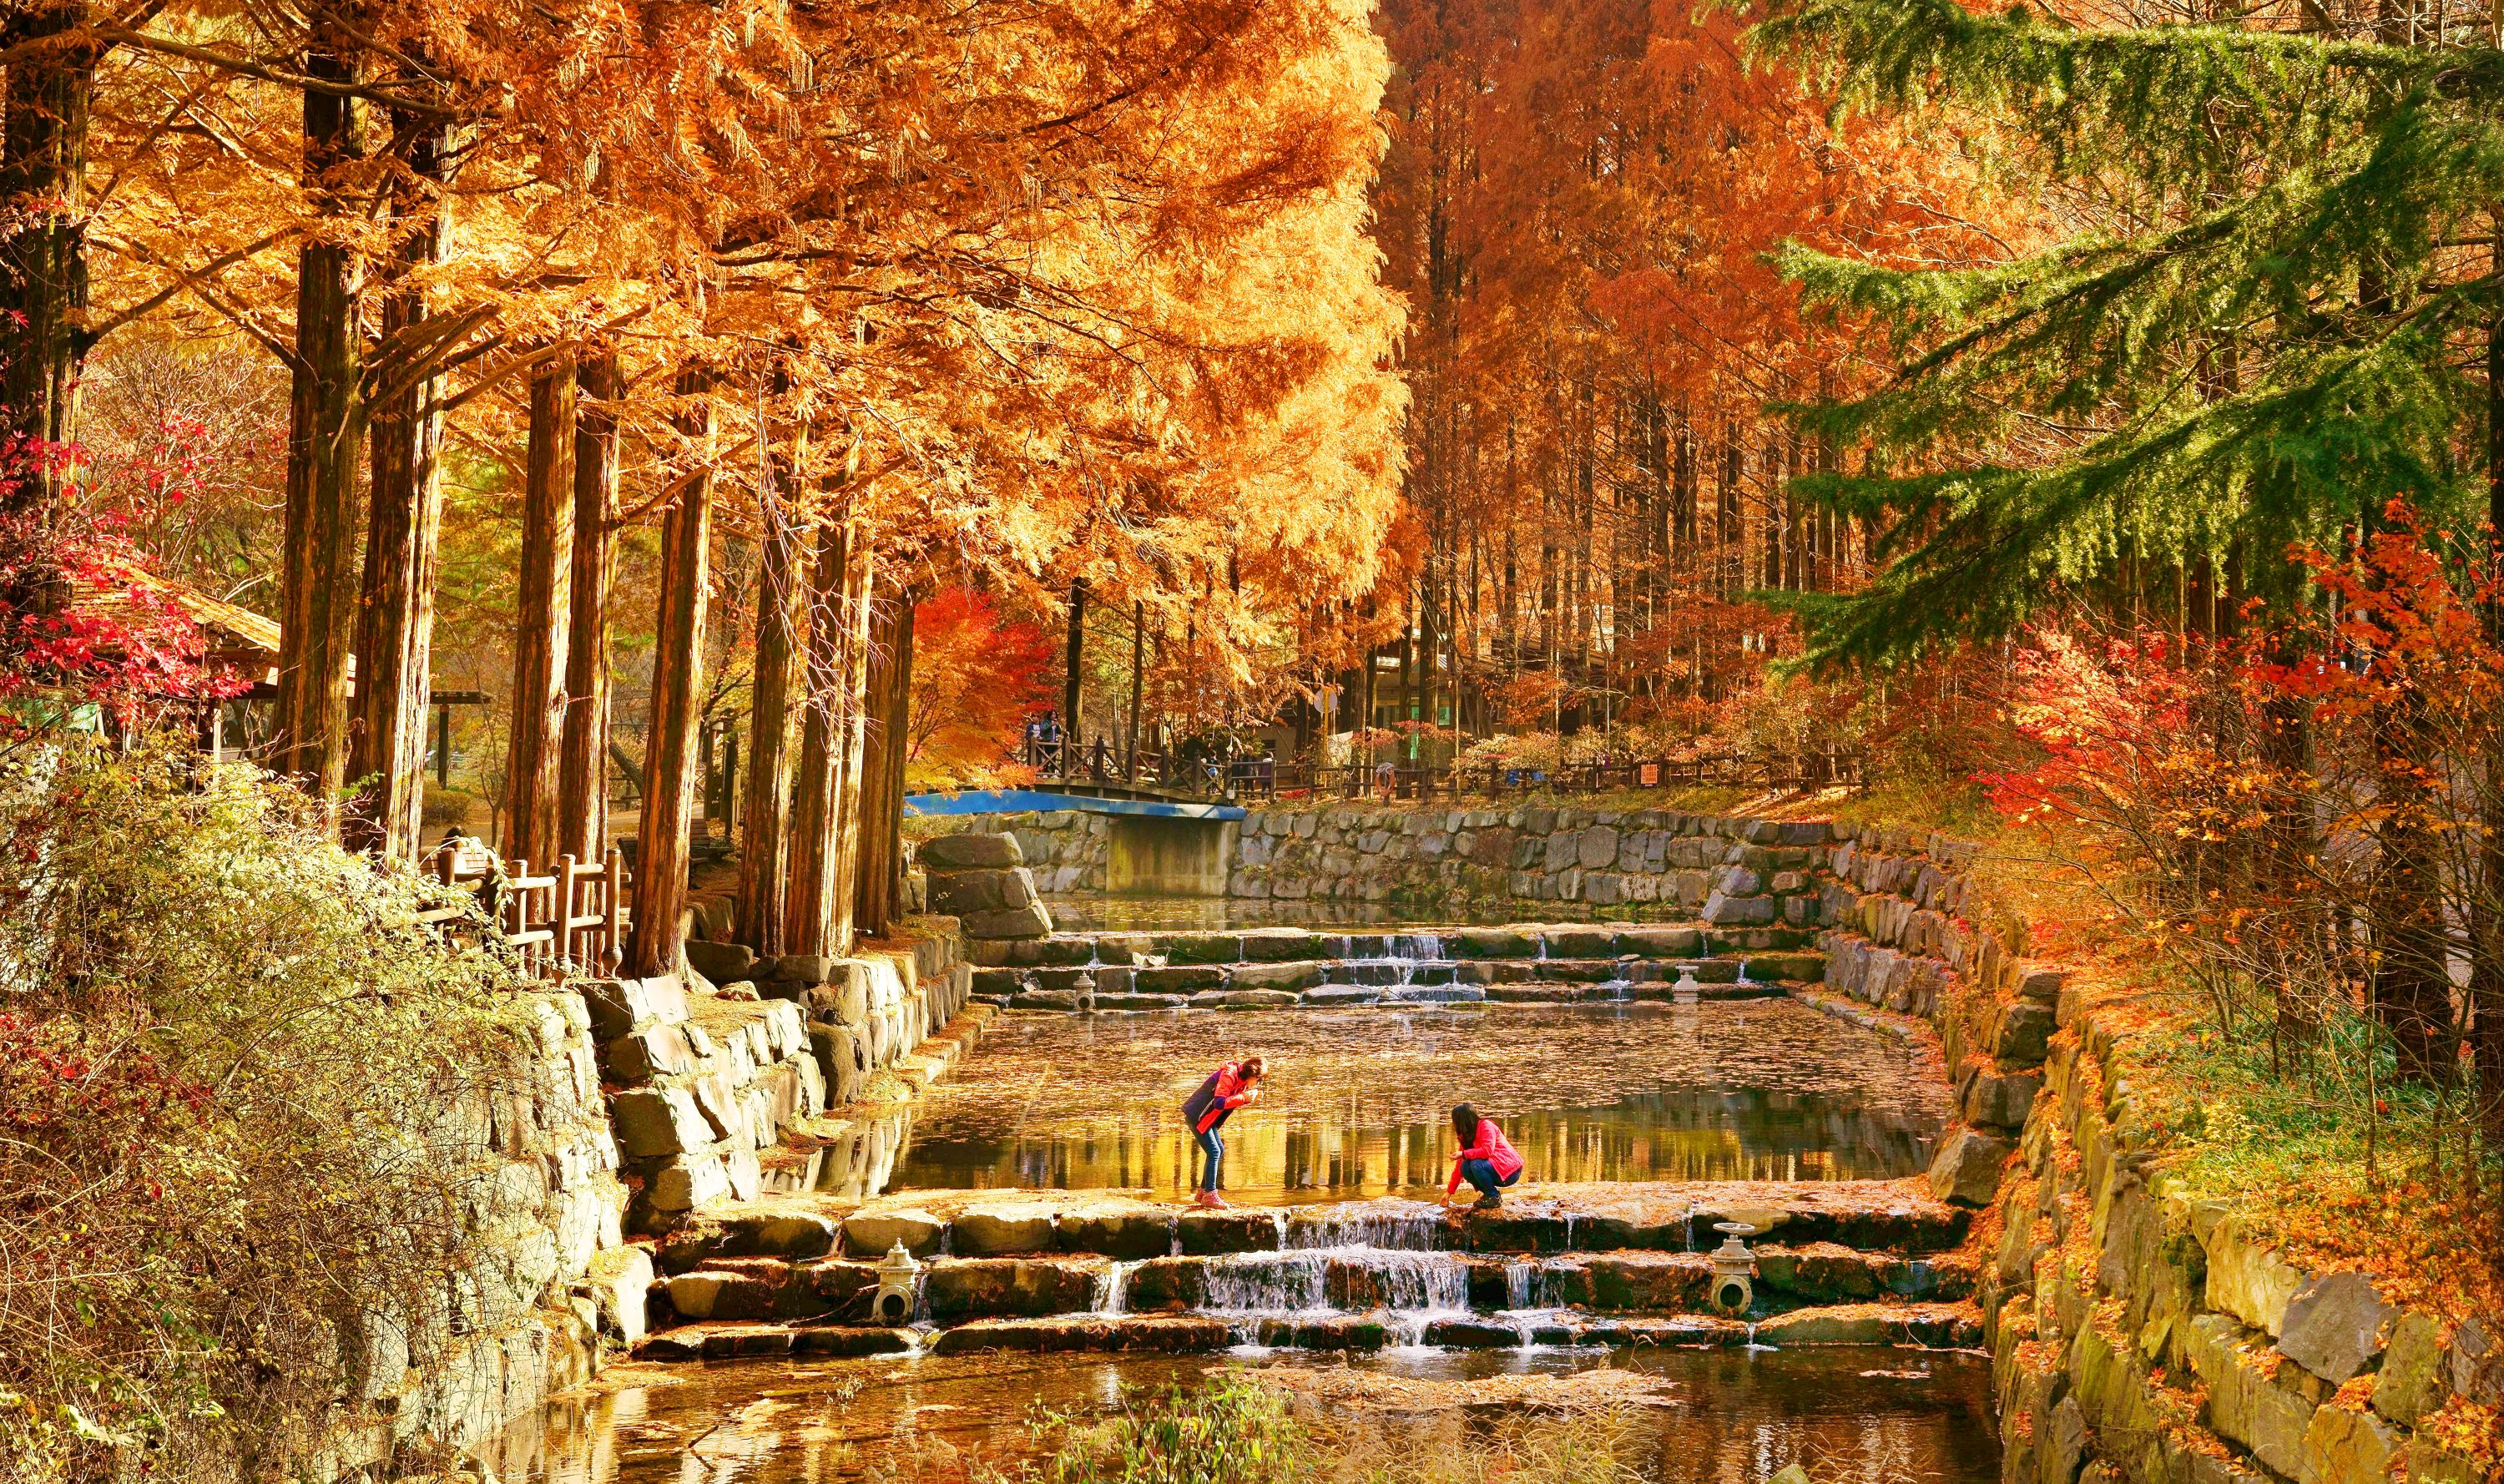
point(1149, 913)
point(1357, 1102)
point(1732, 1417)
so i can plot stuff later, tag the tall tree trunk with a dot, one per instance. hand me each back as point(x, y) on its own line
point(583, 767)
point(325, 428)
point(43, 250)
point(396, 624)
point(765, 818)
point(543, 612)
point(2486, 903)
point(882, 802)
point(662, 838)
point(819, 913)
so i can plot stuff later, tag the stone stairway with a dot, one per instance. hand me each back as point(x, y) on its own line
point(719, 1094)
point(1840, 1263)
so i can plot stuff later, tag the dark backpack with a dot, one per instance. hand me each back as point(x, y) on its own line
point(1195, 1107)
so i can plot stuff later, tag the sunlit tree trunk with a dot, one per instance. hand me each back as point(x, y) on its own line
point(396, 623)
point(765, 818)
point(670, 773)
point(582, 768)
point(882, 802)
point(43, 247)
point(824, 812)
point(325, 434)
point(543, 612)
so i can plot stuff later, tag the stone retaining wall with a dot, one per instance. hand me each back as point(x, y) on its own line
point(547, 1280)
point(1722, 869)
point(709, 1081)
point(2137, 1333)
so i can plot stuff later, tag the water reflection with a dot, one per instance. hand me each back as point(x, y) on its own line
point(1149, 914)
point(1733, 1417)
point(1358, 1101)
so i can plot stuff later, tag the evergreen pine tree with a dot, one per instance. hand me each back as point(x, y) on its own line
point(2284, 329)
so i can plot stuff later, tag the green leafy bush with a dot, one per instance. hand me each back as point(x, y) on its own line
point(247, 1120)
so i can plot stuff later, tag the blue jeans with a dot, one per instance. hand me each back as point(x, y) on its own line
point(1482, 1174)
point(1213, 1149)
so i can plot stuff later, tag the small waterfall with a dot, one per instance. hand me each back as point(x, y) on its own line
point(1418, 1228)
point(1278, 1223)
point(1520, 1284)
point(1347, 1280)
point(1112, 1289)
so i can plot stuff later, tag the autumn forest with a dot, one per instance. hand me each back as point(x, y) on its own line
point(526, 523)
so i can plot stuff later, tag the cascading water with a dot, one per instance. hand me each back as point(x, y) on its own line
point(1112, 1289)
point(1394, 1226)
point(1407, 1289)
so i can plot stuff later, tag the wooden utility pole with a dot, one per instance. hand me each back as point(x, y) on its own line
point(1069, 683)
point(396, 614)
point(1138, 668)
point(324, 437)
point(583, 767)
point(543, 612)
point(765, 818)
point(677, 685)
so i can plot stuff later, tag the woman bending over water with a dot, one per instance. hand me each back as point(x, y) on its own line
point(1487, 1159)
point(1228, 1088)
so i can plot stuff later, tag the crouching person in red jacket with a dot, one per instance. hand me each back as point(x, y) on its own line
point(1488, 1160)
point(1228, 1088)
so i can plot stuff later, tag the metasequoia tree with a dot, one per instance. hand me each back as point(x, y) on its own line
point(1087, 289)
point(1578, 203)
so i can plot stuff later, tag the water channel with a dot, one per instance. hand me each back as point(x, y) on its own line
point(1721, 1417)
point(1356, 1109)
point(1358, 1101)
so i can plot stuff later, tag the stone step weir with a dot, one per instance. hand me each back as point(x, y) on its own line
point(1645, 1216)
point(1283, 967)
point(1570, 1265)
point(1926, 1325)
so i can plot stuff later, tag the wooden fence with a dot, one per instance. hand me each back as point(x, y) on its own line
point(568, 919)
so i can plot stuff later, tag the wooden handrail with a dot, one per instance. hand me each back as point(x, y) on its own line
point(570, 918)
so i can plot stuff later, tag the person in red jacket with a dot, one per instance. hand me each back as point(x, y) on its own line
point(1228, 1088)
point(1488, 1160)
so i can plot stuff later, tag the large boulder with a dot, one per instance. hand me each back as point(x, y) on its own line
point(1122, 1230)
point(960, 893)
point(2411, 1381)
point(656, 1123)
point(720, 962)
point(1967, 1169)
point(992, 1288)
point(2024, 1034)
point(1027, 922)
point(2335, 1326)
point(871, 1235)
point(1273, 976)
point(842, 1062)
point(959, 852)
point(991, 1228)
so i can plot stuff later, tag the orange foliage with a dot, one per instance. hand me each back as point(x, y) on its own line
point(977, 678)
